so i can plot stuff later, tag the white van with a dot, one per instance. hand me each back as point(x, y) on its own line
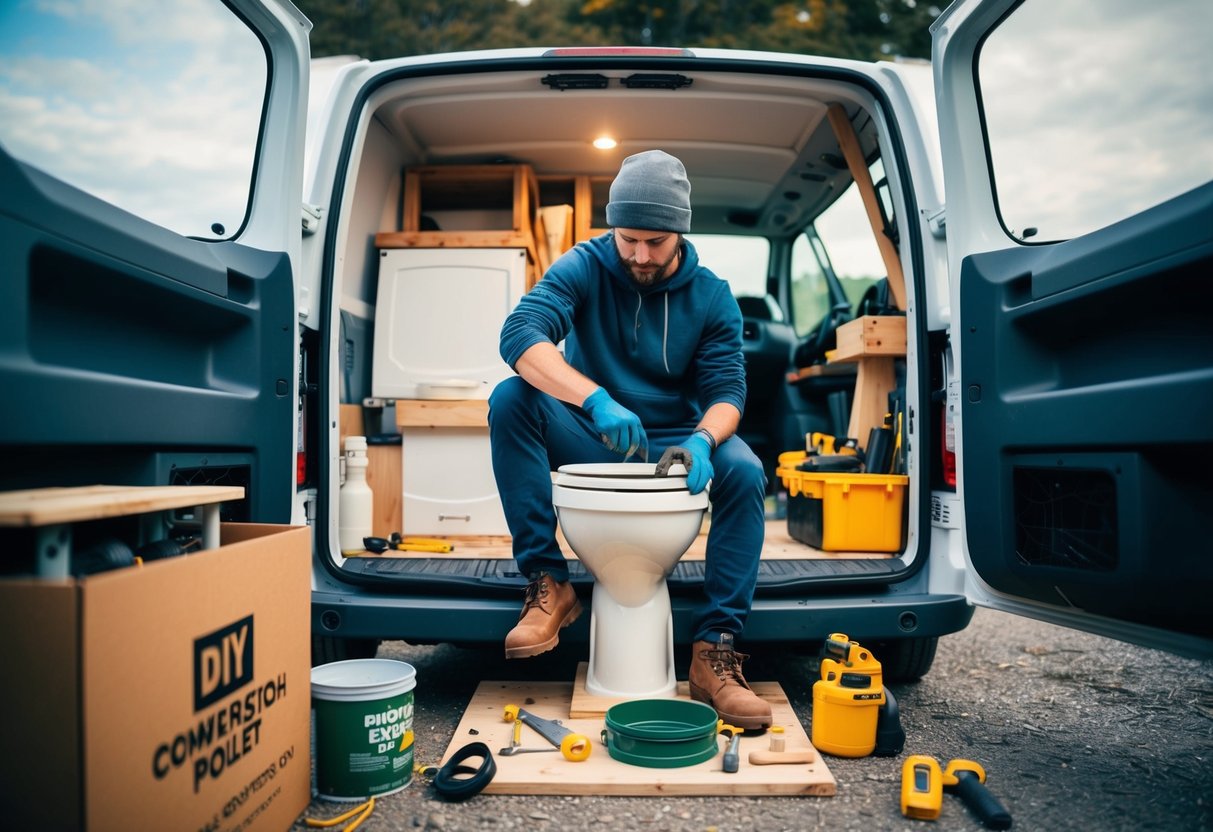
point(182, 303)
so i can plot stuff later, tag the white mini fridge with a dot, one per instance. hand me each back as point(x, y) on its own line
point(438, 318)
point(438, 324)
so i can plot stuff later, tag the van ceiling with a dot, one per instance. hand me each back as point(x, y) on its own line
point(759, 150)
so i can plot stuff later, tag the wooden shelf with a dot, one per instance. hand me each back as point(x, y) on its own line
point(48, 506)
point(512, 189)
point(873, 343)
point(590, 190)
point(821, 371)
point(52, 511)
point(870, 336)
point(442, 413)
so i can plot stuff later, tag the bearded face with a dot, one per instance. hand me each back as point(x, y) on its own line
point(648, 256)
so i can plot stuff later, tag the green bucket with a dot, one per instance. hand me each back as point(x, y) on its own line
point(660, 733)
point(362, 724)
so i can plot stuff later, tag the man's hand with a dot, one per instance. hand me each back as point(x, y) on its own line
point(620, 428)
point(696, 455)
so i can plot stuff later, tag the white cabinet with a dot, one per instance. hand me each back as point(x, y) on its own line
point(438, 320)
point(448, 483)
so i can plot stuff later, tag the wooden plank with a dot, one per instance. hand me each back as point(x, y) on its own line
point(848, 142)
point(583, 206)
point(868, 336)
point(45, 506)
point(500, 238)
point(472, 187)
point(779, 545)
point(819, 370)
point(875, 381)
point(442, 413)
point(384, 476)
point(349, 423)
point(601, 774)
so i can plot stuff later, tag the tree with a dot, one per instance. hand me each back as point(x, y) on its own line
point(866, 29)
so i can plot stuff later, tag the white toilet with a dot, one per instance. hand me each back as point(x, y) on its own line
point(629, 527)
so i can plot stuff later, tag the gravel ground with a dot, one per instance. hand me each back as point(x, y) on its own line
point(1074, 731)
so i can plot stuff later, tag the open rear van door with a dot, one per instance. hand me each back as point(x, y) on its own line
point(149, 231)
point(1079, 179)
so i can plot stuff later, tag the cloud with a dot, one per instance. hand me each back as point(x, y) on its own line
point(1087, 129)
point(158, 117)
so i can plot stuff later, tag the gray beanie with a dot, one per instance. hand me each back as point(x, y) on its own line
point(652, 193)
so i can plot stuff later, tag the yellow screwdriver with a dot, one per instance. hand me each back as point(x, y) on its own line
point(408, 544)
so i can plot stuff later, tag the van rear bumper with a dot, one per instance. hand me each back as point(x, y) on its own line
point(435, 620)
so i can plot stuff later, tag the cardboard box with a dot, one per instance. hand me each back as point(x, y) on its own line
point(175, 695)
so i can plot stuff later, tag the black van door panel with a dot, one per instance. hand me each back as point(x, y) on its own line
point(1087, 400)
point(133, 355)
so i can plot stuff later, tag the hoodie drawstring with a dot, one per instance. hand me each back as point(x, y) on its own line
point(665, 330)
point(636, 326)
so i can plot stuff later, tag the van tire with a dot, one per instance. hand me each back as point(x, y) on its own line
point(327, 649)
point(905, 659)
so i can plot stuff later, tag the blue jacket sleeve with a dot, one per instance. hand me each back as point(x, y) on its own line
point(720, 366)
point(545, 314)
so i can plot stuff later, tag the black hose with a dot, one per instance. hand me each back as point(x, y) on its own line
point(454, 788)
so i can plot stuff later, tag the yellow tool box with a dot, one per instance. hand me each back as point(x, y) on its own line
point(839, 512)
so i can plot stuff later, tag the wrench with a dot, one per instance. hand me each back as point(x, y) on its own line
point(574, 747)
point(515, 746)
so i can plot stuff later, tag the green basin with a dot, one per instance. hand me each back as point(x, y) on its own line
point(661, 733)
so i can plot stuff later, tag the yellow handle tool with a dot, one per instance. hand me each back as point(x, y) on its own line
point(921, 787)
point(575, 747)
point(423, 544)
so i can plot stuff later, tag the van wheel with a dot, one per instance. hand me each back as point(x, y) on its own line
point(905, 659)
point(327, 649)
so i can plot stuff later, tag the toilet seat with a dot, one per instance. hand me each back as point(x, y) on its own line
point(619, 476)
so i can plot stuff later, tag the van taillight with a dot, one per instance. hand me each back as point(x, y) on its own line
point(301, 444)
point(947, 445)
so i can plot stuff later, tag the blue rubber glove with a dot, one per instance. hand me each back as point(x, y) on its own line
point(699, 466)
point(620, 428)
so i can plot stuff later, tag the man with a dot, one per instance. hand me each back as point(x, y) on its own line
point(652, 360)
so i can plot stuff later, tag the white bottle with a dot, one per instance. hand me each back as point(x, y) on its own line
point(356, 504)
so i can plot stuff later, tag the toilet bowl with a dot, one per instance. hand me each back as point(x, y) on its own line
point(629, 528)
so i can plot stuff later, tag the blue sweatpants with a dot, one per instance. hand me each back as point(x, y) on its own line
point(533, 434)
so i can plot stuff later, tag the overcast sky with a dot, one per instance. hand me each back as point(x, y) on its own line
point(151, 105)
point(1058, 79)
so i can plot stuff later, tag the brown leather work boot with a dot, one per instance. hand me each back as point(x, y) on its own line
point(716, 679)
point(549, 605)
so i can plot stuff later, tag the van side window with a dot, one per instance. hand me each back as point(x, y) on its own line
point(839, 247)
point(742, 261)
point(158, 116)
point(1084, 132)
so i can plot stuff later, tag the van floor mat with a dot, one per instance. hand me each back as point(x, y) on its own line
point(497, 577)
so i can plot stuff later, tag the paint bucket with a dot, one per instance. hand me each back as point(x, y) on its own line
point(362, 728)
point(660, 733)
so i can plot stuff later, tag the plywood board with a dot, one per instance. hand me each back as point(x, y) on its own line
point(383, 473)
point(600, 774)
point(442, 413)
point(45, 506)
point(779, 545)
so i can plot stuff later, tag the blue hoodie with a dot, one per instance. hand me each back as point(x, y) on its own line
point(667, 352)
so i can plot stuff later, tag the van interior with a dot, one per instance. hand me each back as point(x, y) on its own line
point(458, 189)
